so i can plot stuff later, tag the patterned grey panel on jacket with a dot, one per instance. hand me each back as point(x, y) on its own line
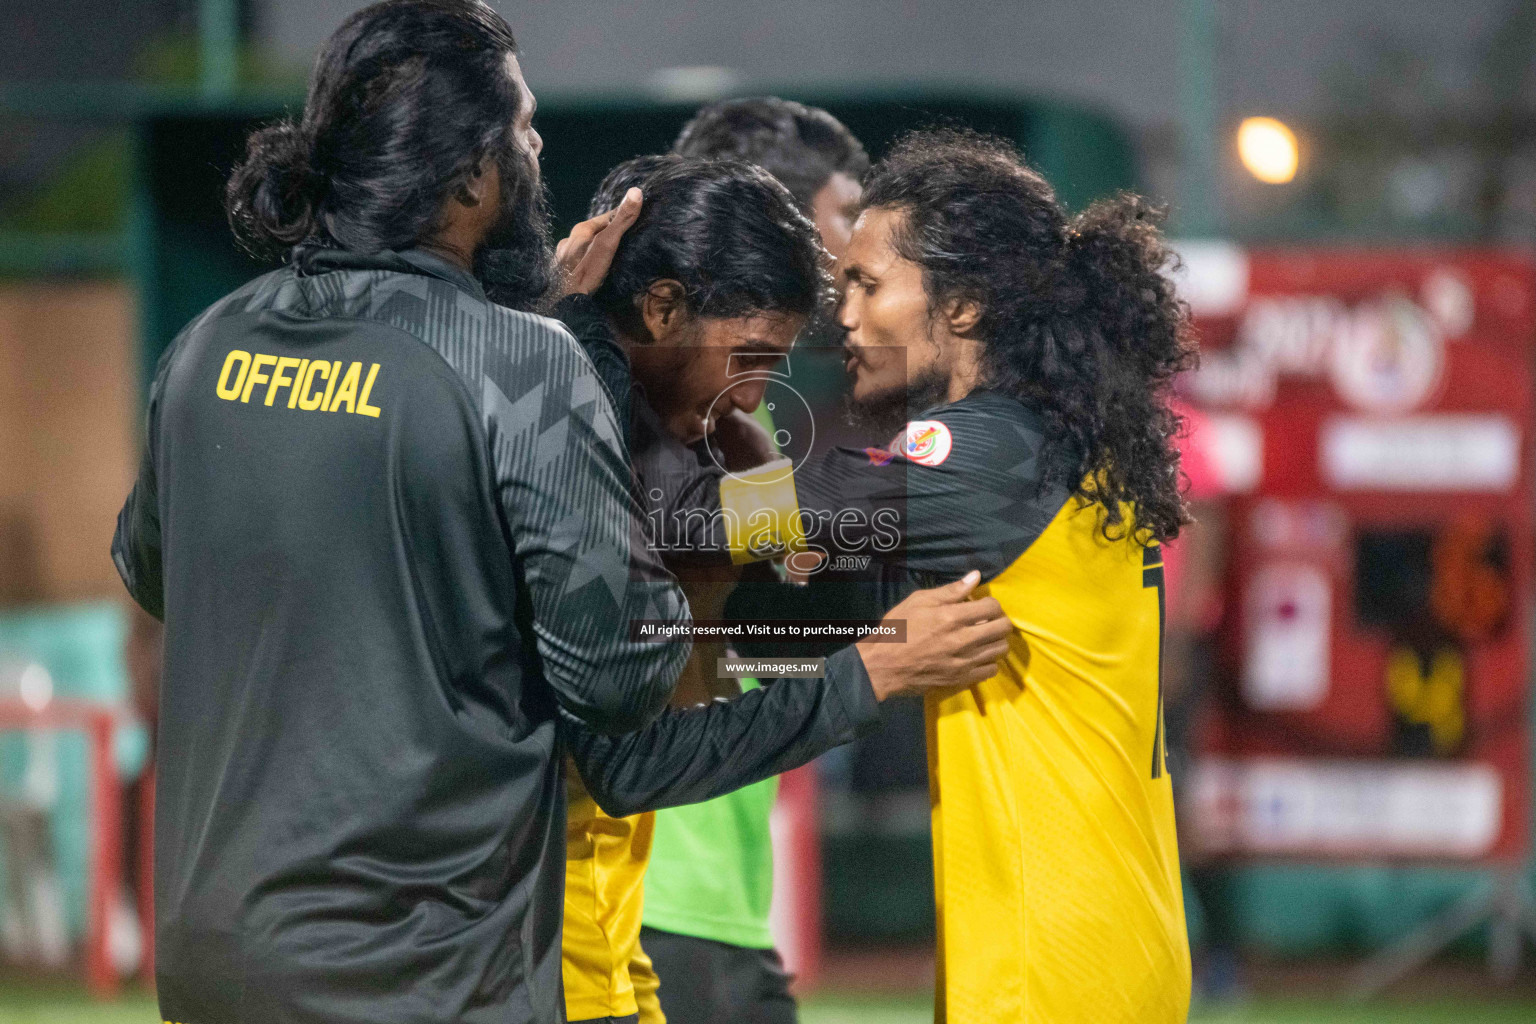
point(564, 487)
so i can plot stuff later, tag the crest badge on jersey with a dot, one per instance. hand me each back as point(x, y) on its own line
point(926, 442)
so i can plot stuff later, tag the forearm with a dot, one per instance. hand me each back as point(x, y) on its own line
point(679, 491)
point(694, 754)
point(136, 543)
point(136, 553)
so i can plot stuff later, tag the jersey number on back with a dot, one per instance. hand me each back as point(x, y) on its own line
point(1152, 576)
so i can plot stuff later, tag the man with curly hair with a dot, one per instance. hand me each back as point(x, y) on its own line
point(1030, 353)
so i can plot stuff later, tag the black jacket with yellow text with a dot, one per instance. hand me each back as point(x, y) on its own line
point(389, 528)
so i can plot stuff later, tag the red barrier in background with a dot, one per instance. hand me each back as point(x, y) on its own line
point(795, 918)
point(1373, 412)
point(99, 724)
point(146, 879)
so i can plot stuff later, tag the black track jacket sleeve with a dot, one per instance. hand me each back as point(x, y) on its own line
point(698, 753)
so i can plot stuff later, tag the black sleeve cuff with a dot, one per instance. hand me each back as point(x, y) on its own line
point(848, 679)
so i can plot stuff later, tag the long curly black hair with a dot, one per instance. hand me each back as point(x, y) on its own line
point(1079, 319)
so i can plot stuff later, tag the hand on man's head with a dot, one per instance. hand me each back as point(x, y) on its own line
point(585, 255)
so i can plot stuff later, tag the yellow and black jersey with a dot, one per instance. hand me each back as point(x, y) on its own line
point(1056, 867)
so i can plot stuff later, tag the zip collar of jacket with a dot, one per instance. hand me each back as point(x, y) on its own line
point(316, 260)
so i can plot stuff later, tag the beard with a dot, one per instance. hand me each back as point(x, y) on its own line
point(516, 265)
point(885, 412)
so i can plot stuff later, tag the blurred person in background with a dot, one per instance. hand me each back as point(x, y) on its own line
point(720, 270)
point(809, 151)
point(34, 927)
point(388, 526)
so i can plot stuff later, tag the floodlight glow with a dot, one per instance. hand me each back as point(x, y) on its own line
point(1268, 149)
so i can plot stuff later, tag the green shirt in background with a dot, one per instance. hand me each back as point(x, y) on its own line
point(711, 869)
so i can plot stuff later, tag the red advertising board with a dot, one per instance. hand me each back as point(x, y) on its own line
point(1373, 412)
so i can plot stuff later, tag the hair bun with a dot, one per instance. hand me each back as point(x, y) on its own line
point(274, 192)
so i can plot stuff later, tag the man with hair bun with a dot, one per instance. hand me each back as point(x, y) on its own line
point(388, 526)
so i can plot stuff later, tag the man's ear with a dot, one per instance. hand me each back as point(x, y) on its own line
point(663, 310)
point(962, 313)
point(471, 191)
